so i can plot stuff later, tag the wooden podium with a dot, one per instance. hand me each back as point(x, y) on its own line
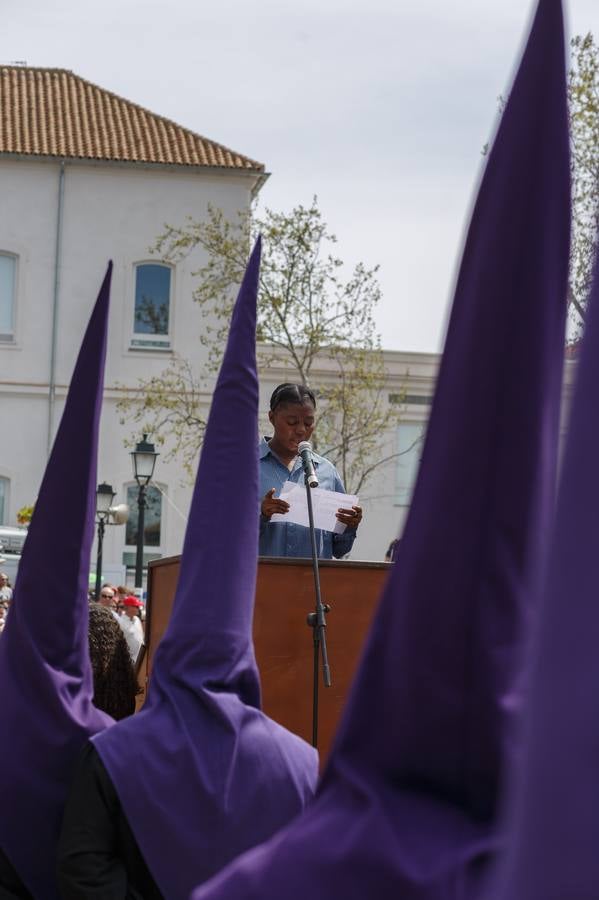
point(282, 637)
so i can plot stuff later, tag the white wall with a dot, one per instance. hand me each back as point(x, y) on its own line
point(109, 212)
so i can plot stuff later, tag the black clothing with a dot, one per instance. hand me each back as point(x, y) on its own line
point(11, 886)
point(392, 550)
point(98, 856)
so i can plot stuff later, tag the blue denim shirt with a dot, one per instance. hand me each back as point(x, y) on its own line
point(289, 539)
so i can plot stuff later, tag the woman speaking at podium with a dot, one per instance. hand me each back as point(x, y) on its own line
point(292, 416)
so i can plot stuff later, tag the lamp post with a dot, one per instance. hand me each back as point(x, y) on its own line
point(144, 460)
point(104, 498)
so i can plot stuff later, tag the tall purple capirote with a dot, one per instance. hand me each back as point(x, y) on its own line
point(408, 803)
point(553, 843)
point(212, 775)
point(46, 712)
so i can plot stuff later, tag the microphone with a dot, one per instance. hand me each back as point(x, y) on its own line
point(304, 448)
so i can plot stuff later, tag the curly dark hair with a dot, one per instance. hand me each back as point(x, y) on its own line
point(115, 684)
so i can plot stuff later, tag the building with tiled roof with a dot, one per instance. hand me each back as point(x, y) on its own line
point(53, 113)
point(87, 176)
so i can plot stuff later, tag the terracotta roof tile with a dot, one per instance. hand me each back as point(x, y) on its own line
point(53, 112)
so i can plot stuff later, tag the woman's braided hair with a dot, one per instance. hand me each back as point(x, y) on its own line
point(290, 392)
point(115, 685)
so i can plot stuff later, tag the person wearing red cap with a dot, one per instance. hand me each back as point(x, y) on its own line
point(130, 622)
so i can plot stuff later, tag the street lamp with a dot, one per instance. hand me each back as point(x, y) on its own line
point(144, 460)
point(104, 497)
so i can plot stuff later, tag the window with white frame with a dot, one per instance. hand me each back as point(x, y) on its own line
point(8, 279)
point(410, 438)
point(4, 485)
point(152, 306)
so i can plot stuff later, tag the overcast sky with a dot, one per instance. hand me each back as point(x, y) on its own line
point(380, 107)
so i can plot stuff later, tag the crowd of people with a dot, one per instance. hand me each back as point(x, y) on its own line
point(128, 610)
point(5, 598)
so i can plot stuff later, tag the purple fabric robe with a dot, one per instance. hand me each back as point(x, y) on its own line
point(554, 837)
point(408, 805)
point(213, 775)
point(46, 711)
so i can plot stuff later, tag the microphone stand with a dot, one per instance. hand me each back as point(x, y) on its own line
point(317, 621)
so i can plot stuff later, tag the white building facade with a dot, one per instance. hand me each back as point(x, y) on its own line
point(86, 177)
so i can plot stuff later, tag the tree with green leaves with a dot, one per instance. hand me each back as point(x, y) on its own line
point(583, 95)
point(583, 102)
point(313, 322)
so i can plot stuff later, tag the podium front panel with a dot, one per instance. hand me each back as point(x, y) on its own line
point(282, 636)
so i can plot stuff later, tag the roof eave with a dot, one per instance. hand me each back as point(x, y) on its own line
point(259, 174)
point(260, 182)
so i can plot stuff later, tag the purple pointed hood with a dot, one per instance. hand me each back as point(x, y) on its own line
point(46, 712)
point(407, 807)
point(553, 842)
point(213, 774)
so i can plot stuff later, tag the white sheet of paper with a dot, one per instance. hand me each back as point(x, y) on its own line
point(324, 504)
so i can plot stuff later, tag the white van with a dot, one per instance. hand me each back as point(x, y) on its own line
point(11, 546)
point(12, 539)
